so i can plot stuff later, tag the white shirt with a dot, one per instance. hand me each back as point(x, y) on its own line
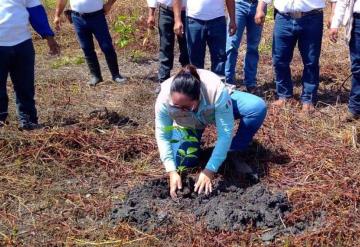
point(154, 3)
point(205, 9)
point(290, 6)
point(341, 14)
point(14, 21)
point(86, 6)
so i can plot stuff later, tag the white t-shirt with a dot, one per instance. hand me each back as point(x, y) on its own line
point(86, 6)
point(205, 9)
point(153, 3)
point(290, 6)
point(14, 21)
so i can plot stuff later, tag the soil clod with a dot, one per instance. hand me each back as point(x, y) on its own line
point(229, 207)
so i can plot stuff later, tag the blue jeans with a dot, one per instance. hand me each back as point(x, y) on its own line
point(19, 62)
point(307, 32)
point(245, 14)
point(167, 44)
point(354, 101)
point(248, 108)
point(212, 32)
point(96, 25)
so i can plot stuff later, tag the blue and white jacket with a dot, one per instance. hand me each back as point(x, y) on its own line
point(215, 108)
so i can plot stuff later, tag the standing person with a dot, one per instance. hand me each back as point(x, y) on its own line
point(192, 100)
point(167, 37)
point(206, 24)
point(88, 17)
point(347, 13)
point(296, 22)
point(245, 11)
point(17, 56)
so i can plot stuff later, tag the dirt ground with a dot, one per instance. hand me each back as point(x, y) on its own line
point(62, 185)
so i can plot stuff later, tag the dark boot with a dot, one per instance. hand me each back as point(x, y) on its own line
point(95, 72)
point(241, 167)
point(112, 62)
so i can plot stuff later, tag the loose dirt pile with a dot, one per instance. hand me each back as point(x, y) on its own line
point(229, 207)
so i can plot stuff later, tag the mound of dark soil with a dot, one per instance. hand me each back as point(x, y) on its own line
point(229, 207)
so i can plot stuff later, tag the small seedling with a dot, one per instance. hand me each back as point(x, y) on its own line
point(185, 137)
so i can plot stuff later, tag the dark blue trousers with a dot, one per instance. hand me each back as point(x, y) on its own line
point(212, 33)
point(354, 102)
point(307, 32)
point(19, 62)
point(86, 28)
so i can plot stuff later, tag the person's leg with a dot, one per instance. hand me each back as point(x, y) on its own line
point(284, 42)
point(184, 55)
point(354, 100)
point(23, 78)
point(196, 43)
point(251, 61)
point(310, 38)
point(167, 43)
point(86, 42)
point(4, 71)
point(251, 110)
point(233, 42)
point(186, 153)
point(99, 27)
point(216, 39)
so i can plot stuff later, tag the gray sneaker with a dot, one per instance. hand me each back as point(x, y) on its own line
point(157, 89)
point(119, 79)
point(350, 117)
point(94, 81)
point(28, 126)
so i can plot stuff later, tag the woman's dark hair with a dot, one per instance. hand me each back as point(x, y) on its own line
point(187, 82)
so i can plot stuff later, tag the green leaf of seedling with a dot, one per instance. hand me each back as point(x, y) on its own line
point(168, 128)
point(182, 152)
point(191, 150)
point(191, 156)
point(191, 139)
point(174, 141)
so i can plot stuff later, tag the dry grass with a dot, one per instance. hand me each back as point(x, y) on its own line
point(57, 185)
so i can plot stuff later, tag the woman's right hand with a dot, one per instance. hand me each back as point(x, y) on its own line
point(175, 184)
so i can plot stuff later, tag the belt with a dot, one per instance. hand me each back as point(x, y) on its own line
point(357, 15)
point(299, 14)
point(166, 7)
point(251, 1)
point(101, 11)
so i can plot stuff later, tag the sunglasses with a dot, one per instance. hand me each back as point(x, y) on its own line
point(186, 108)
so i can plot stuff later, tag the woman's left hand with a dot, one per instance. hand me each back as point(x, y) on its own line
point(204, 182)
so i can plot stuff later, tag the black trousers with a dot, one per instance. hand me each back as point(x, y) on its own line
point(19, 62)
point(167, 44)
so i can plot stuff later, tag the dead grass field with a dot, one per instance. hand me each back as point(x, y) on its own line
point(57, 185)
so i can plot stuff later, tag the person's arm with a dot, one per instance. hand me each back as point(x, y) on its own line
point(60, 6)
point(338, 17)
point(332, 6)
point(163, 137)
point(224, 118)
point(108, 5)
point(40, 23)
point(151, 14)
point(179, 26)
point(261, 11)
point(230, 4)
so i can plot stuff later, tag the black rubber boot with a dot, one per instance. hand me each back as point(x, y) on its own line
point(112, 62)
point(95, 72)
point(241, 167)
